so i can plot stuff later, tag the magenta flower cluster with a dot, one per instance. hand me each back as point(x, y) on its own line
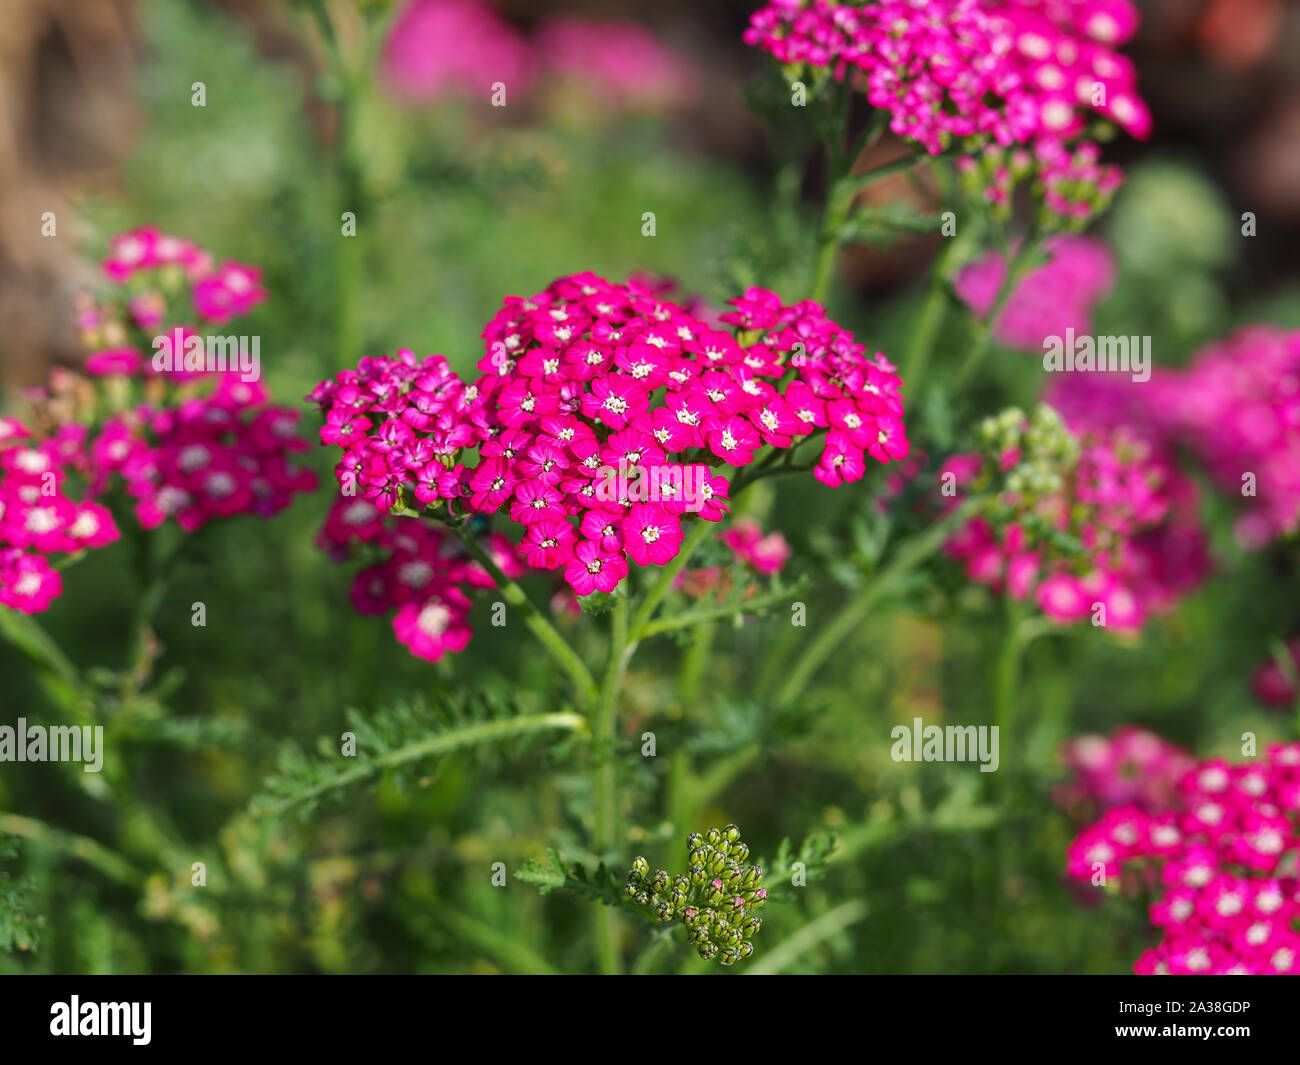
point(160, 282)
point(1236, 408)
point(1127, 505)
point(418, 571)
point(39, 518)
point(1021, 79)
point(1221, 853)
point(441, 48)
point(1018, 71)
point(1132, 767)
point(461, 47)
point(204, 458)
point(601, 416)
point(1275, 686)
point(621, 64)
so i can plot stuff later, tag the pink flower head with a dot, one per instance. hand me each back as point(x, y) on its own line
point(594, 406)
point(768, 553)
point(621, 64)
point(1217, 838)
point(436, 626)
point(454, 47)
point(1018, 80)
point(651, 535)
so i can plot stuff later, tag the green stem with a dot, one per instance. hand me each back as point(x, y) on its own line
point(698, 534)
point(982, 328)
point(605, 778)
point(934, 309)
point(855, 611)
point(518, 957)
point(351, 186)
point(839, 201)
point(1006, 673)
point(565, 656)
point(689, 679)
point(108, 862)
point(646, 961)
point(713, 613)
point(928, 324)
point(816, 931)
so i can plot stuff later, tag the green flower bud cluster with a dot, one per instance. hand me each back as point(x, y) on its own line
point(1045, 450)
point(715, 899)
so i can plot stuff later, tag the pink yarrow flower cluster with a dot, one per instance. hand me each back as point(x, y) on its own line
point(161, 283)
point(446, 48)
point(1023, 77)
point(419, 572)
point(207, 457)
point(602, 415)
point(1132, 767)
point(767, 553)
point(1013, 70)
point(39, 518)
point(454, 47)
point(1238, 407)
point(1123, 502)
point(1222, 853)
point(622, 63)
point(1274, 681)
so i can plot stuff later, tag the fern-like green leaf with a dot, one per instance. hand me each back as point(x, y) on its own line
point(20, 925)
point(397, 737)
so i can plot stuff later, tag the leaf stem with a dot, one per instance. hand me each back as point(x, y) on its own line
point(855, 611)
point(605, 778)
point(558, 647)
point(698, 534)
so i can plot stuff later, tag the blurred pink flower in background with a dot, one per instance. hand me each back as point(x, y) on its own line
point(1057, 296)
point(766, 553)
point(1238, 408)
point(454, 48)
point(1132, 766)
point(622, 63)
point(1270, 683)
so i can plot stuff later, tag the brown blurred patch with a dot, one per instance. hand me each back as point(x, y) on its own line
point(66, 118)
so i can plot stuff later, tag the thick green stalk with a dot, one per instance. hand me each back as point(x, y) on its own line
point(839, 200)
point(556, 645)
point(108, 862)
point(982, 328)
point(698, 534)
point(689, 678)
point(604, 783)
